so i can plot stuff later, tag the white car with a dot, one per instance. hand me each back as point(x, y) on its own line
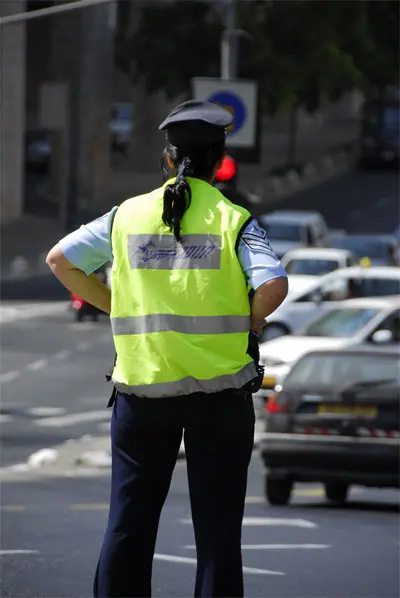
point(374, 320)
point(308, 263)
point(291, 229)
point(300, 307)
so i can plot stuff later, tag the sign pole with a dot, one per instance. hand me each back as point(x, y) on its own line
point(229, 43)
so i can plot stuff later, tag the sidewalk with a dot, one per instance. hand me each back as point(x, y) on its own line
point(25, 242)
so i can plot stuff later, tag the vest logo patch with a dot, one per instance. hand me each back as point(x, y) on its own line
point(163, 252)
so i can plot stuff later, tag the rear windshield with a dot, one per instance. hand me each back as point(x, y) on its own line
point(311, 267)
point(340, 323)
point(327, 371)
point(363, 246)
point(282, 231)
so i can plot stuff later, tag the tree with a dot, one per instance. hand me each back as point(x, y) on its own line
point(299, 50)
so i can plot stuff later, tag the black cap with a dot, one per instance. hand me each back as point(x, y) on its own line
point(195, 123)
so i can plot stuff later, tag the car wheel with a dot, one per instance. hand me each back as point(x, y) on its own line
point(277, 490)
point(95, 317)
point(336, 492)
point(79, 315)
point(271, 331)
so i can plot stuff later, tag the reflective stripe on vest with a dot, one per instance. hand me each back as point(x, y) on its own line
point(190, 385)
point(184, 324)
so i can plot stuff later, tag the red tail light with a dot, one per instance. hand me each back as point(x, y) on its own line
point(276, 403)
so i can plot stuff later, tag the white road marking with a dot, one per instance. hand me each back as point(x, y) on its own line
point(45, 411)
point(271, 521)
point(9, 377)
point(275, 546)
point(170, 558)
point(35, 366)
point(83, 346)
point(276, 521)
point(72, 419)
point(5, 418)
point(24, 311)
point(62, 354)
point(14, 552)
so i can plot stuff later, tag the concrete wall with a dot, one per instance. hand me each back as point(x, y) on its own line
point(12, 111)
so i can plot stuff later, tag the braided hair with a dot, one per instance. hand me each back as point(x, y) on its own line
point(195, 162)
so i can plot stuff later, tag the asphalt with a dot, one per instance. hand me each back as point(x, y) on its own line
point(53, 390)
point(307, 550)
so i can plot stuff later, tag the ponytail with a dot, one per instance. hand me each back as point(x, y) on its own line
point(188, 162)
point(177, 198)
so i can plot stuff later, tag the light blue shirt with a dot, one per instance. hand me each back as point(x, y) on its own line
point(89, 247)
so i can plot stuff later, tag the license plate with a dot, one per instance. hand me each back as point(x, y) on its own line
point(352, 410)
point(268, 382)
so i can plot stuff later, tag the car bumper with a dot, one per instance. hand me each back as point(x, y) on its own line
point(304, 457)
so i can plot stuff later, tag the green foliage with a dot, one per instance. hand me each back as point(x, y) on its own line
point(299, 50)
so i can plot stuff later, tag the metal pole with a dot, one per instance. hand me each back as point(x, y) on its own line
point(229, 43)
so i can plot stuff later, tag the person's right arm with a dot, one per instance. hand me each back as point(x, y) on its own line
point(263, 272)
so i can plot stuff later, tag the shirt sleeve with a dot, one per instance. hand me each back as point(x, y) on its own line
point(258, 261)
point(89, 247)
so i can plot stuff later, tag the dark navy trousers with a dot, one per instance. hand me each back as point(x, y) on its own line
point(146, 434)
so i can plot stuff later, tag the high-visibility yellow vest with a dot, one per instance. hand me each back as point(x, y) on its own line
point(180, 313)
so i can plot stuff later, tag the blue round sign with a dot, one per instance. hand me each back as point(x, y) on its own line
point(234, 104)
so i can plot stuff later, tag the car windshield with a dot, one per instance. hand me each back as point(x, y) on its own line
point(340, 323)
point(363, 246)
point(328, 371)
point(311, 266)
point(282, 231)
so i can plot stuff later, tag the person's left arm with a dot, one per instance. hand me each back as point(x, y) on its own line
point(74, 259)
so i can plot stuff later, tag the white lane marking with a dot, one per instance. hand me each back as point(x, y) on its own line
point(74, 418)
point(9, 377)
point(14, 552)
point(62, 354)
point(5, 418)
point(37, 365)
point(170, 558)
point(83, 346)
point(275, 521)
point(272, 521)
point(275, 546)
point(45, 411)
point(24, 311)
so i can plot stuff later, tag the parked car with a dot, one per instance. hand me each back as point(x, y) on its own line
point(302, 306)
point(308, 263)
point(381, 250)
point(291, 229)
point(335, 420)
point(379, 134)
point(348, 323)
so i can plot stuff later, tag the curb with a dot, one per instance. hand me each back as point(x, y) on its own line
point(274, 188)
point(79, 457)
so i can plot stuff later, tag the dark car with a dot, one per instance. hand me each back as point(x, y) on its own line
point(381, 250)
point(335, 420)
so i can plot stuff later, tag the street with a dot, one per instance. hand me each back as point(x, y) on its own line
point(53, 389)
point(308, 550)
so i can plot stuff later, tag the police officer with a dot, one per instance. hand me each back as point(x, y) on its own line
point(183, 259)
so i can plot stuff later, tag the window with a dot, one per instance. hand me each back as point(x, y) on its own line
point(392, 323)
point(282, 231)
point(339, 323)
point(362, 246)
point(311, 267)
point(327, 371)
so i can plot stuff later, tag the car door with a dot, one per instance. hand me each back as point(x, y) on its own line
point(309, 305)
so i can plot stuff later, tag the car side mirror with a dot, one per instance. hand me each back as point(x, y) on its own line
point(382, 336)
point(316, 297)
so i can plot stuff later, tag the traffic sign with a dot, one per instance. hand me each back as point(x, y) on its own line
point(240, 98)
